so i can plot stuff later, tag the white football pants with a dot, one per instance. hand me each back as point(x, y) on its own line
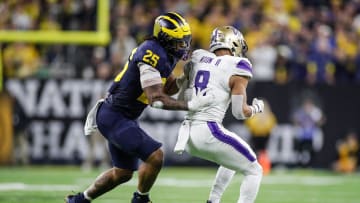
point(211, 141)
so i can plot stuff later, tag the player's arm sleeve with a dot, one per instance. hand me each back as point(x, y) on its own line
point(241, 73)
point(237, 102)
point(240, 109)
point(149, 76)
point(151, 83)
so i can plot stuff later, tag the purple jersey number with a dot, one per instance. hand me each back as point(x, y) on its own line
point(201, 79)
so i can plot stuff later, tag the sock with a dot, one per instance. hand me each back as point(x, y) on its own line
point(222, 179)
point(250, 185)
point(142, 193)
point(87, 196)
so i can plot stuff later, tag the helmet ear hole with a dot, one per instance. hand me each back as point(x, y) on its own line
point(233, 51)
point(245, 47)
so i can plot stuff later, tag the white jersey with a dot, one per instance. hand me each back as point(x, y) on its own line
point(202, 134)
point(214, 72)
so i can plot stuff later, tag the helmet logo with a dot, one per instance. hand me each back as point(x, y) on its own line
point(217, 36)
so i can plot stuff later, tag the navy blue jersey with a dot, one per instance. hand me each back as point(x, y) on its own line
point(125, 93)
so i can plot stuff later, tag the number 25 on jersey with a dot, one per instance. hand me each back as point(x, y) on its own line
point(151, 58)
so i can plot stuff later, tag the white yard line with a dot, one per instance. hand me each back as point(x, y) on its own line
point(173, 182)
point(35, 187)
point(302, 180)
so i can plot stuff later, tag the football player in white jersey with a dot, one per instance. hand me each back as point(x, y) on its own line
point(225, 71)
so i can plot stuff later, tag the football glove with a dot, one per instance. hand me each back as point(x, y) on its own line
point(257, 106)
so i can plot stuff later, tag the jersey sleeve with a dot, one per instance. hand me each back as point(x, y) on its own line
point(151, 54)
point(242, 67)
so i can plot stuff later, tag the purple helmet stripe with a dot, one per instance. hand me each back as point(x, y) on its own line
point(216, 131)
point(244, 65)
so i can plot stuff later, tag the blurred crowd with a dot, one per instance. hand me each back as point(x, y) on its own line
point(312, 41)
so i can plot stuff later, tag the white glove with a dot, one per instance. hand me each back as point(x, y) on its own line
point(257, 106)
point(202, 99)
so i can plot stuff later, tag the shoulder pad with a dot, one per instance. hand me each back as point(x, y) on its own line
point(199, 51)
point(197, 54)
point(241, 66)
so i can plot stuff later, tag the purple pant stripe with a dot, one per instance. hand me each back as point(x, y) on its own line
point(216, 131)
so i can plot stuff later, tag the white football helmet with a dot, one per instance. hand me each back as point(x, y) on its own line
point(228, 37)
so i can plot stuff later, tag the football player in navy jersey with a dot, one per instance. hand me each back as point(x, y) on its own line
point(146, 79)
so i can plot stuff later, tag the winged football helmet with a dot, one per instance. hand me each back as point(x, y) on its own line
point(173, 33)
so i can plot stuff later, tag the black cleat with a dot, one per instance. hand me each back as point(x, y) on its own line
point(78, 198)
point(137, 198)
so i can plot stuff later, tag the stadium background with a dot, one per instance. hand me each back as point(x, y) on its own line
point(299, 49)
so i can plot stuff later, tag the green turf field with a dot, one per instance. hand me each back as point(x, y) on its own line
point(175, 185)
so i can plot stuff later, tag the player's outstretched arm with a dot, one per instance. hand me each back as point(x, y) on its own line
point(158, 99)
point(240, 109)
point(151, 84)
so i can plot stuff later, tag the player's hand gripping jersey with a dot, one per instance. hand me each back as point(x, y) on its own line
point(213, 72)
point(126, 94)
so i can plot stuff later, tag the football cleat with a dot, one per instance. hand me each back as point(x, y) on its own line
point(78, 198)
point(208, 201)
point(137, 198)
